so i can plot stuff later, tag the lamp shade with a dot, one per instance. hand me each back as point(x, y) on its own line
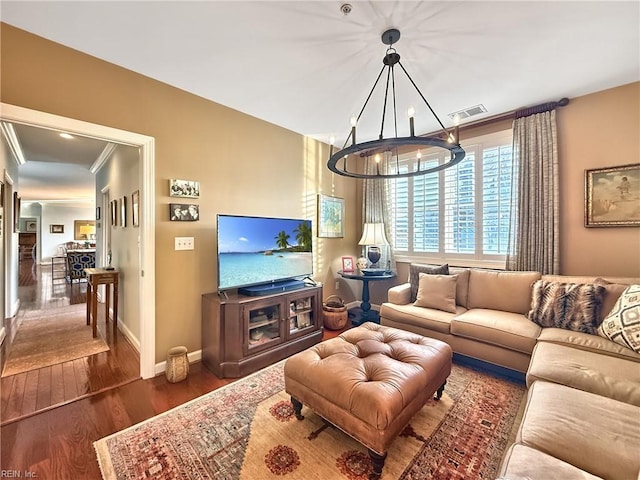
point(373, 234)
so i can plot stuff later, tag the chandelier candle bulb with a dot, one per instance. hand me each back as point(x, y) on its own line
point(411, 113)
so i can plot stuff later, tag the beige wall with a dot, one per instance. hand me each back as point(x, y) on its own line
point(244, 165)
point(594, 131)
point(120, 176)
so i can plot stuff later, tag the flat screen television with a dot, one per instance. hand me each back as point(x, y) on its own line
point(262, 250)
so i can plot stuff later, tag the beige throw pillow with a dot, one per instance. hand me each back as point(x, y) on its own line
point(437, 291)
point(622, 325)
point(415, 269)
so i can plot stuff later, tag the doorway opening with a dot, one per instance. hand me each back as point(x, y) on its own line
point(145, 145)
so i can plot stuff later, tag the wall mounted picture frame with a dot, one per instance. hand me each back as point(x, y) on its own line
point(184, 188)
point(330, 216)
point(84, 230)
point(123, 212)
point(184, 212)
point(114, 212)
point(612, 196)
point(56, 228)
point(135, 208)
point(348, 264)
point(16, 212)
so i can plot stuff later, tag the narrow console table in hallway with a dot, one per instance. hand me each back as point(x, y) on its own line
point(95, 278)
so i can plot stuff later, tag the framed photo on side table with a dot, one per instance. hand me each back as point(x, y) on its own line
point(612, 196)
point(348, 264)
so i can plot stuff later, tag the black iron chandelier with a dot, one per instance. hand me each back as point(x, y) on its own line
point(390, 148)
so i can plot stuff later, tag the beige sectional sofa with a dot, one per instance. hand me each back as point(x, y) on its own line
point(582, 417)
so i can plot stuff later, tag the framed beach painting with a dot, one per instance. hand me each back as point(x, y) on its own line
point(612, 196)
point(330, 216)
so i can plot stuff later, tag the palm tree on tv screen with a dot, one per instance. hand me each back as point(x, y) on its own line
point(304, 235)
point(282, 240)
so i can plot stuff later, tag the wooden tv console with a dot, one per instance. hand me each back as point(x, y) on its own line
point(242, 334)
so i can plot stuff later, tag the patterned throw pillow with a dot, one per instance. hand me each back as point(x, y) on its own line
point(572, 306)
point(622, 325)
point(416, 269)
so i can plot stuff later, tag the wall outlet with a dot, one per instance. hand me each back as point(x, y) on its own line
point(337, 284)
point(184, 243)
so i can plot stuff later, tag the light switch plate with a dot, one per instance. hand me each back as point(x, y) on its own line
point(184, 243)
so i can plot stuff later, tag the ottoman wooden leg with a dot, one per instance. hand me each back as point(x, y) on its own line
point(440, 390)
point(377, 461)
point(297, 408)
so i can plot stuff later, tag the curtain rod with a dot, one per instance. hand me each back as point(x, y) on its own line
point(543, 107)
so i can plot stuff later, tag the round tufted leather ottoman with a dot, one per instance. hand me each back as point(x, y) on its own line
point(369, 382)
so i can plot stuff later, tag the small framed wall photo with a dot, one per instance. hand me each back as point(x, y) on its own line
point(612, 196)
point(348, 264)
point(123, 212)
point(184, 188)
point(184, 212)
point(56, 228)
point(114, 212)
point(135, 208)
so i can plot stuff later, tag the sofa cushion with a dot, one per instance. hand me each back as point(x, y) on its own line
point(591, 372)
point(572, 306)
point(437, 291)
point(419, 316)
point(525, 463)
point(622, 324)
point(462, 288)
point(497, 290)
point(594, 433)
point(505, 329)
point(416, 269)
point(587, 341)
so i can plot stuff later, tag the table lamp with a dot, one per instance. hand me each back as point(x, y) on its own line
point(372, 236)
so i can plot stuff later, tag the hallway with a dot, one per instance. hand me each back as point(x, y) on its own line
point(25, 394)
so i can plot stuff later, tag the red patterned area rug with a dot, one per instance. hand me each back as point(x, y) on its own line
point(247, 430)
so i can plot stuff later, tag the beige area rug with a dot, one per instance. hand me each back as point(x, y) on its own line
point(52, 336)
point(247, 431)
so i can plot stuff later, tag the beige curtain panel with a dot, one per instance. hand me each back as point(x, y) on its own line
point(534, 236)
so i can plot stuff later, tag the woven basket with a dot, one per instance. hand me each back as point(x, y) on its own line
point(334, 313)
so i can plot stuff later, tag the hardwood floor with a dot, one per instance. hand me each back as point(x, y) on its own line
point(26, 393)
point(58, 443)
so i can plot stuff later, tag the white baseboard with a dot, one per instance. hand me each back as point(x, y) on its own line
point(127, 333)
point(15, 309)
point(193, 357)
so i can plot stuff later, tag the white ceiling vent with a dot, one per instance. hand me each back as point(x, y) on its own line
point(467, 112)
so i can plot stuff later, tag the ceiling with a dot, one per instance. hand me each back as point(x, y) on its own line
point(308, 67)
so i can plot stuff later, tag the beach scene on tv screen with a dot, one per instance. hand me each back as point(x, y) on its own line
point(254, 250)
